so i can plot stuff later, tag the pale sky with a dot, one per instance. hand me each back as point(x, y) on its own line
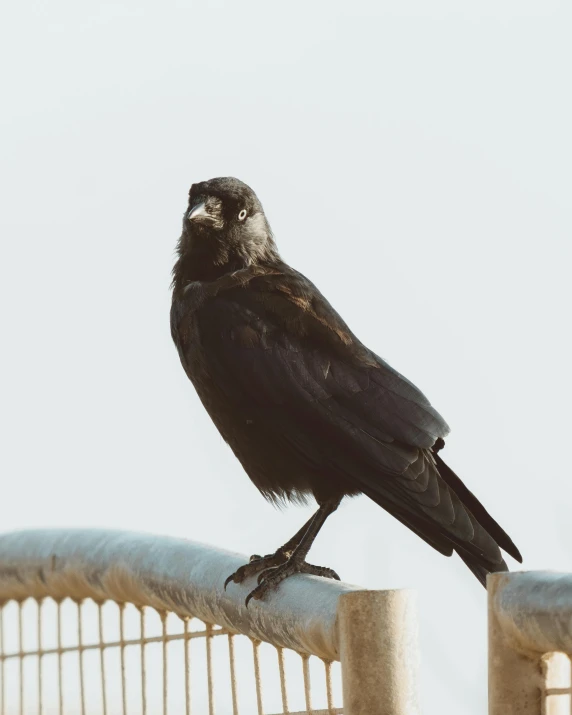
point(414, 161)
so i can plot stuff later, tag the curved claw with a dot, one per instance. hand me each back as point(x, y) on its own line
point(238, 576)
point(250, 596)
point(228, 580)
point(258, 593)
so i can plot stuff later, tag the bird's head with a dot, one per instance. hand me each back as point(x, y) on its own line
point(224, 229)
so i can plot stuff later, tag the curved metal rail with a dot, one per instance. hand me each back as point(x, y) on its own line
point(169, 574)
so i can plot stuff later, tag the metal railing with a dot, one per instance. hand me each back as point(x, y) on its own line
point(114, 622)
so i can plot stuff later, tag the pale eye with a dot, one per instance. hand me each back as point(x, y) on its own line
point(242, 215)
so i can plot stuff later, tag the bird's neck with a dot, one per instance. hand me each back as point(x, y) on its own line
point(207, 261)
point(188, 269)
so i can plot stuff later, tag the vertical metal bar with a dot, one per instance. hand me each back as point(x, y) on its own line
point(379, 652)
point(187, 668)
point(232, 674)
point(40, 661)
point(80, 657)
point(21, 657)
point(60, 663)
point(210, 679)
point(256, 656)
point(143, 665)
point(102, 658)
point(283, 689)
point(307, 683)
point(329, 695)
point(556, 695)
point(165, 664)
point(3, 671)
point(122, 655)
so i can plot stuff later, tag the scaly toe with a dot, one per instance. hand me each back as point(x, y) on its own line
point(270, 578)
point(322, 571)
point(263, 575)
point(257, 563)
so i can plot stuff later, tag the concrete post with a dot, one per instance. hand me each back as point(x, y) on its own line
point(522, 682)
point(379, 652)
point(515, 679)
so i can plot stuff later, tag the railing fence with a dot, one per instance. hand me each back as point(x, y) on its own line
point(117, 623)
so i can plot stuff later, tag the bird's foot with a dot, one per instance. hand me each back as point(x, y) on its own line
point(269, 579)
point(257, 563)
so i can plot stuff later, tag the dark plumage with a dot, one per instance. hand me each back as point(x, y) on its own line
point(304, 405)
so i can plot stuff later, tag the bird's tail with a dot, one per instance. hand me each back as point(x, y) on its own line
point(477, 566)
point(480, 513)
point(482, 552)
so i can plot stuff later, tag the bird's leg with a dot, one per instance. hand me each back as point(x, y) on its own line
point(259, 563)
point(295, 562)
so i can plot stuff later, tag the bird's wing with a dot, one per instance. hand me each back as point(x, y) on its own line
point(276, 349)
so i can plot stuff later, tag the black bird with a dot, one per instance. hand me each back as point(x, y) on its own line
point(304, 405)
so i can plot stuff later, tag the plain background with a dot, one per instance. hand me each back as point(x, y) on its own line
point(414, 161)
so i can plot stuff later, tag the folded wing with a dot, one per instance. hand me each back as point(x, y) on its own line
point(279, 352)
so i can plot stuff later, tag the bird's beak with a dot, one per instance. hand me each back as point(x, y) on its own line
point(208, 213)
point(199, 213)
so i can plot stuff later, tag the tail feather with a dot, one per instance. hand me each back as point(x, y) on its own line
point(421, 527)
point(478, 568)
point(477, 510)
point(473, 533)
